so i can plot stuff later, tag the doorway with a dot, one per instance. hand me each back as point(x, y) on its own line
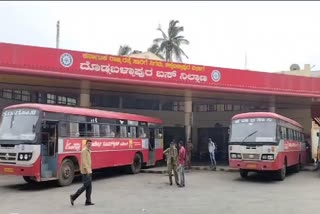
point(220, 136)
point(151, 146)
point(49, 149)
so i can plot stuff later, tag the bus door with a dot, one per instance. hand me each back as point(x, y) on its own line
point(49, 149)
point(151, 146)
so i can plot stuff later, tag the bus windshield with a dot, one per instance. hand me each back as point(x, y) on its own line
point(19, 124)
point(253, 130)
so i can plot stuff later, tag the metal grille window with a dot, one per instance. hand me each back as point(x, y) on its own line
point(7, 93)
point(62, 100)
point(16, 94)
point(51, 98)
point(71, 101)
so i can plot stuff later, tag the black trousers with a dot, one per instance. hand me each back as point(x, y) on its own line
point(87, 186)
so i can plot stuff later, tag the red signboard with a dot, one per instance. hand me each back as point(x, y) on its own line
point(76, 145)
point(29, 60)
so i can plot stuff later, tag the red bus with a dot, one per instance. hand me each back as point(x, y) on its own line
point(43, 142)
point(264, 141)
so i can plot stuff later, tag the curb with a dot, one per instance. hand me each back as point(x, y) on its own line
point(194, 168)
point(221, 169)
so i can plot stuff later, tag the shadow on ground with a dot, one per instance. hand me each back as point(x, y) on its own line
point(98, 175)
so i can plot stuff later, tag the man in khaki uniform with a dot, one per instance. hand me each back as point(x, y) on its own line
point(86, 172)
point(172, 154)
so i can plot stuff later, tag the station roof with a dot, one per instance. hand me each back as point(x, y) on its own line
point(25, 60)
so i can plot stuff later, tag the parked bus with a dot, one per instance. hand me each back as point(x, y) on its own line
point(43, 142)
point(264, 141)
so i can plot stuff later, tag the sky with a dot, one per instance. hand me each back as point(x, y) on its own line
point(273, 35)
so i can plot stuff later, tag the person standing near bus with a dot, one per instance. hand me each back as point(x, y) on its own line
point(182, 162)
point(189, 153)
point(86, 171)
point(212, 149)
point(172, 154)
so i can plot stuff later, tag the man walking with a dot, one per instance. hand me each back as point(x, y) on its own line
point(182, 162)
point(86, 172)
point(189, 153)
point(172, 154)
point(212, 149)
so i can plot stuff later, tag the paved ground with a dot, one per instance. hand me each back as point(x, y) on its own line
point(206, 192)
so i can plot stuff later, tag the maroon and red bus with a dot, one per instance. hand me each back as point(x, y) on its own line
point(43, 142)
point(265, 141)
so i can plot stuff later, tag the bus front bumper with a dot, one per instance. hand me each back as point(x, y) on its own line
point(255, 165)
point(21, 170)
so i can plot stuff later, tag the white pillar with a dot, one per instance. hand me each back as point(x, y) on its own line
point(85, 94)
point(188, 115)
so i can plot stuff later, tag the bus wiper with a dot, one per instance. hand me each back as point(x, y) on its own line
point(249, 135)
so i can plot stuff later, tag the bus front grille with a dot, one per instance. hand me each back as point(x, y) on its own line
point(251, 156)
point(8, 156)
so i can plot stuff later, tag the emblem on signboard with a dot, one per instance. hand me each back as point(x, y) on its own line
point(216, 76)
point(66, 60)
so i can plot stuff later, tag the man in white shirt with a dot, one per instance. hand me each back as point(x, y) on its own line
point(212, 148)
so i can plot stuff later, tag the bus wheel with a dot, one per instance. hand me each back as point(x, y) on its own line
point(298, 167)
point(66, 174)
point(29, 180)
point(243, 173)
point(281, 174)
point(136, 164)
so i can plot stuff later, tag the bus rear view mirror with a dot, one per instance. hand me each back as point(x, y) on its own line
point(317, 134)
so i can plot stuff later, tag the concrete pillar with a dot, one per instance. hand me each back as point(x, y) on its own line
point(272, 104)
point(188, 114)
point(121, 102)
point(85, 94)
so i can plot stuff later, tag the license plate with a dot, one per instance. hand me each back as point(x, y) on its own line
point(8, 170)
point(252, 166)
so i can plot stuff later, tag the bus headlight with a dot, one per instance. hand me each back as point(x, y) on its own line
point(24, 156)
point(267, 157)
point(270, 157)
point(235, 156)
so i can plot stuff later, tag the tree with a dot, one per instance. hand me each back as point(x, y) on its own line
point(169, 44)
point(124, 50)
point(155, 50)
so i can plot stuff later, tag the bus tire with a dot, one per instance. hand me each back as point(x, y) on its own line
point(29, 180)
point(298, 166)
point(281, 174)
point(66, 174)
point(136, 164)
point(244, 173)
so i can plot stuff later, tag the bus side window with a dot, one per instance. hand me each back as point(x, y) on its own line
point(103, 130)
point(96, 130)
point(117, 131)
point(63, 129)
point(290, 134)
point(283, 133)
point(132, 132)
point(82, 129)
point(74, 130)
point(142, 132)
point(159, 134)
point(123, 131)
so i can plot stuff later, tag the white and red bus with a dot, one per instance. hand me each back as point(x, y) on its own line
point(264, 141)
point(43, 142)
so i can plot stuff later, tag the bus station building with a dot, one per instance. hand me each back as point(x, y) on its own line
point(194, 101)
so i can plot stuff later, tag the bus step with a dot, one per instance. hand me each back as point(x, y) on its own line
point(46, 174)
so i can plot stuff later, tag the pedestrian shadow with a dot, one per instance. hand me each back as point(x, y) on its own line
point(46, 185)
